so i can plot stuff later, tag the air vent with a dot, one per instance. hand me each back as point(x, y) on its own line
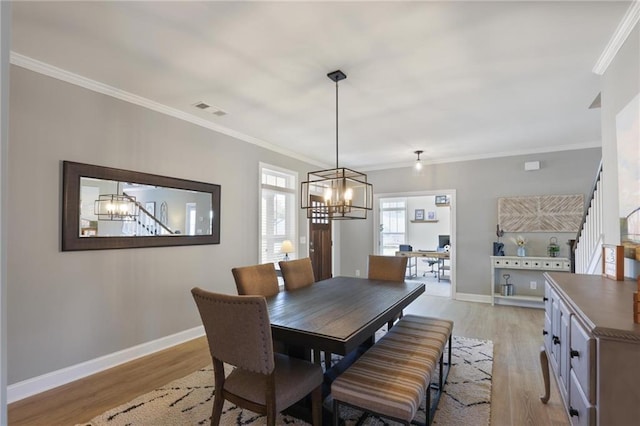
point(211, 109)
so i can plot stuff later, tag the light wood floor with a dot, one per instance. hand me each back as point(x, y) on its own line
point(517, 380)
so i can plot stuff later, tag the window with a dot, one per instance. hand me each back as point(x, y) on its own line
point(278, 211)
point(393, 224)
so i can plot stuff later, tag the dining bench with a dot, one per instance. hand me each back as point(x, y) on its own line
point(394, 376)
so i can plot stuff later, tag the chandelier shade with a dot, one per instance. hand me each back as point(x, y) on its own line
point(345, 194)
point(116, 207)
point(340, 193)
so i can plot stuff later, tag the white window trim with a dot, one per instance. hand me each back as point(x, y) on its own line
point(294, 191)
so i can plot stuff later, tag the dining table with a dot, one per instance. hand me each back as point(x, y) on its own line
point(338, 314)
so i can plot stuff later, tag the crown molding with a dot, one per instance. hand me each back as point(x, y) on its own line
point(618, 38)
point(557, 148)
point(96, 86)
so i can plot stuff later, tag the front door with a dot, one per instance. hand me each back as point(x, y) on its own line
point(320, 242)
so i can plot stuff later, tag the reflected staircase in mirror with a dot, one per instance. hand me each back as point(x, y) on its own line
point(145, 224)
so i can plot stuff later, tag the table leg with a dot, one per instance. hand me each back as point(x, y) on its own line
point(544, 365)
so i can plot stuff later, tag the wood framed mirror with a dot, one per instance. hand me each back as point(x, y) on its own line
point(109, 208)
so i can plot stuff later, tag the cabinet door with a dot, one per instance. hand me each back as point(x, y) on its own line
point(583, 358)
point(581, 412)
point(555, 331)
point(563, 353)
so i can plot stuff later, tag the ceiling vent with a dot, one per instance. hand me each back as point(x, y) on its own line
point(210, 109)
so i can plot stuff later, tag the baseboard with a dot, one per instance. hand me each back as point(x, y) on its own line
point(470, 297)
point(35, 385)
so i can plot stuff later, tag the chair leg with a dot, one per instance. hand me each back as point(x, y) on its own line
point(336, 413)
point(316, 406)
point(218, 402)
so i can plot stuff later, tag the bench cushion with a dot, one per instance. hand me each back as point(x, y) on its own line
point(392, 377)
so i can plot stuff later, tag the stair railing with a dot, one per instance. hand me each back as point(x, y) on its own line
point(587, 248)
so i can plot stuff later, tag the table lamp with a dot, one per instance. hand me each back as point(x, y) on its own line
point(286, 248)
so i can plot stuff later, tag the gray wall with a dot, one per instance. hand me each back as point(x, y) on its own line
point(66, 308)
point(620, 84)
point(478, 185)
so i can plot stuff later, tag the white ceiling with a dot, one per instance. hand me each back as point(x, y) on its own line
point(459, 80)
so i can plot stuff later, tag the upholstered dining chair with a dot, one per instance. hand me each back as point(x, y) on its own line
point(238, 330)
point(297, 273)
point(256, 280)
point(388, 268)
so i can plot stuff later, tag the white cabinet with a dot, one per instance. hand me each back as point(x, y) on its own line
point(500, 264)
point(592, 346)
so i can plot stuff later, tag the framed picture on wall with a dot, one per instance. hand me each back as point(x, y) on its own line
point(419, 215)
point(431, 215)
point(442, 200)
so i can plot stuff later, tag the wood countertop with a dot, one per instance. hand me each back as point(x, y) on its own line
point(604, 305)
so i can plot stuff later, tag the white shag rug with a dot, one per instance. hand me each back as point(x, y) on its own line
point(188, 401)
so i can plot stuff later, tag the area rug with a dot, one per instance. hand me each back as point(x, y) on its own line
point(188, 401)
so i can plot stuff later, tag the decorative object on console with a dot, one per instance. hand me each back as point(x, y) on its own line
point(507, 288)
point(613, 262)
point(418, 167)
point(286, 248)
point(521, 242)
point(553, 248)
point(347, 195)
point(498, 247)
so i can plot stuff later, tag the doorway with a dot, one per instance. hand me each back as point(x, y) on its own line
point(422, 222)
point(320, 242)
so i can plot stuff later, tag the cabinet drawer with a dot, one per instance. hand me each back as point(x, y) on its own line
point(556, 264)
point(498, 262)
point(581, 412)
point(583, 358)
point(566, 266)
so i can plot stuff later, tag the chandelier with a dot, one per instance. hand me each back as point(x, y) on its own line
point(339, 193)
point(116, 207)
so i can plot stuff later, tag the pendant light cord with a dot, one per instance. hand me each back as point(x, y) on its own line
point(336, 125)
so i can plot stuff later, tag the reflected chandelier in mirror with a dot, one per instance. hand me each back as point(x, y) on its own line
point(108, 208)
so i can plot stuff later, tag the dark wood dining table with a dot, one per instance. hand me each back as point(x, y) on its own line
point(339, 314)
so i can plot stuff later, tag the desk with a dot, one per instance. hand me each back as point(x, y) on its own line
point(440, 256)
point(338, 314)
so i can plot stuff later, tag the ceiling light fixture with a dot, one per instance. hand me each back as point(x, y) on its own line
point(117, 207)
point(418, 167)
point(339, 193)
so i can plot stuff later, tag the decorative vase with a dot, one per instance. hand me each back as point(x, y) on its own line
point(522, 252)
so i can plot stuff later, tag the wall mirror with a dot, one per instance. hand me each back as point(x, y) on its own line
point(108, 208)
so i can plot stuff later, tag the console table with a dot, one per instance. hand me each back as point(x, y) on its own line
point(527, 263)
point(593, 348)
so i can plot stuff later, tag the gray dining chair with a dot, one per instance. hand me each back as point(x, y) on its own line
point(388, 268)
point(238, 330)
point(297, 273)
point(256, 280)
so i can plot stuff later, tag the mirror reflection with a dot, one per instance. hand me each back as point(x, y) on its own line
point(108, 208)
point(111, 208)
